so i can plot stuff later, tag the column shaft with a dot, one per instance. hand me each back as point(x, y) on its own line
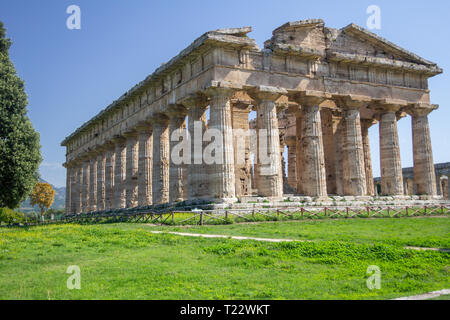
point(365, 124)
point(299, 153)
point(101, 159)
point(178, 173)
point(93, 184)
point(424, 174)
point(109, 178)
point(69, 172)
point(353, 155)
point(391, 167)
point(120, 173)
point(85, 188)
point(161, 158)
point(145, 167)
point(292, 162)
point(222, 179)
point(313, 156)
point(269, 181)
point(131, 171)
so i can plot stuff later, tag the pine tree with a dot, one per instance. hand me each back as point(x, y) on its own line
point(20, 154)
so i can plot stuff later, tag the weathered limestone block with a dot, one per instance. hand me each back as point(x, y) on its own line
point(269, 180)
point(131, 169)
point(222, 178)
point(424, 174)
point(145, 165)
point(161, 159)
point(444, 187)
point(93, 183)
point(391, 167)
point(178, 170)
point(365, 125)
point(109, 176)
point(120, 172)
point(101, 161)
point(198, 180)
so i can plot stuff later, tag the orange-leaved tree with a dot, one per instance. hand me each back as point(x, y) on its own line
point(43, 196)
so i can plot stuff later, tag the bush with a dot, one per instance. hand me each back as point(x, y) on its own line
point(9, 216)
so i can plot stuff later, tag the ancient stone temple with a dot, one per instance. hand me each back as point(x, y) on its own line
point(312, 89)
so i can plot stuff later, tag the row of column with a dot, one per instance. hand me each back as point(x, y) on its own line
point(345, 167)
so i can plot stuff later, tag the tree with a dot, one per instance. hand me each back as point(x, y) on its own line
point(20, 153)
point(43, 196)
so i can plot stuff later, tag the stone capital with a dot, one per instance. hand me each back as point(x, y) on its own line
point(290, 140)
point(196, 100)
point(159, 119)
point(309, 98)
point(119, 140)
point(351, 101)
point(175, 110)
point(220, 92)
point(420, 109)
point(367, 123)
point(387, 105)
point(130, 134)
point(266, 93)
point(144, 127)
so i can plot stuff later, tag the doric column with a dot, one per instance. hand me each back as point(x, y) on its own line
point(313, 160)
point(93, 182)
point(365, 125)
point(326, 118)
point(85, 187)
point(145, 165)
point(298, 151)
point(76, 189)
point(352, 147)
point(131, 169)
point(424, 173)
point(178, 171)
point(69, 177)
point(222, 179)
point(161, 158)
point(338, 125)
point(198, 180)
point(291, 142)
point(391, 167)
point(120, 172)
point(109, 175)
point(269, 180)
point(101, 161)
point(241, 143)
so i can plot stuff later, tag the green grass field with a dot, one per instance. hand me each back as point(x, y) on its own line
point(127, 261)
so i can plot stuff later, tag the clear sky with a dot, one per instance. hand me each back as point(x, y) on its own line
point(70, 75)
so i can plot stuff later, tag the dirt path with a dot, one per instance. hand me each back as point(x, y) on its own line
point(426, 296)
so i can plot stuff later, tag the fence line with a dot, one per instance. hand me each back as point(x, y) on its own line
point(201, 217)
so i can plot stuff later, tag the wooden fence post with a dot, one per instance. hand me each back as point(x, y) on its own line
point(201, 218)
point(226, 215)
point(173, 220)
point(407, 211)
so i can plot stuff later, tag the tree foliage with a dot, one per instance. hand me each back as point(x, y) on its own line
point(20, 154)
point(42, 196)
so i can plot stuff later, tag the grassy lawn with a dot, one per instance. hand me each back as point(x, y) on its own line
point(126, 261)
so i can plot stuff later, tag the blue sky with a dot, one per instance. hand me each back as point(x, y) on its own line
point(70, 75)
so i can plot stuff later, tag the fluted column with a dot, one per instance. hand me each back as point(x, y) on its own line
point(269, 180)
point(391, 167)
point(198, 180)
point(93, 182)
point(161, 158)
point(85, 187)
point(298, 152)
point(120, 172)
point(365, 125)
point(145, 165)
point(101, 199)
point(76, 195)
point(109, 176)
point(424, 173)
point(313, 166)
point(178, 186)
point(338, 125)
point(69, 177)
point(222, 178)
point(291, 142)
point(352, 148)
point(131, 170)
